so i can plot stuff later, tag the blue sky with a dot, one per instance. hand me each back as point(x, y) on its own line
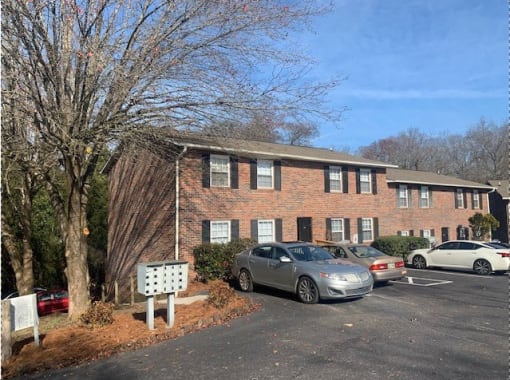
point(435, 65)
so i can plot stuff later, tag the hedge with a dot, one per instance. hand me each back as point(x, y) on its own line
point(213, 261)
point(399, 246)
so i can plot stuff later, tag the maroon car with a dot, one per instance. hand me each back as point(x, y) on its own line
point(52, 301)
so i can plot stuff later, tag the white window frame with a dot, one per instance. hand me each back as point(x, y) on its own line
point(215, 237)
point(424, 197)
point(403, 200)
point(476, 199)
point(265, 169)
point(427, 234)
point(460, 198)
point(335, 179)
point(404, 233)
point(367, 229)
point(365, 180)
point(219, 168)
point(262, 235)
point(337, 227)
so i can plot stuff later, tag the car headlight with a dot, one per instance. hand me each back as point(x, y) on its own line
point(334, 276)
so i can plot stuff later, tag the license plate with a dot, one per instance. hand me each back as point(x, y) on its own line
point(391, 266)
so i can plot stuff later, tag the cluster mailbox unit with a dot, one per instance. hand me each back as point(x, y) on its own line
point(161, 277)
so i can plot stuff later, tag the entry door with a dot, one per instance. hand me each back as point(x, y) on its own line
point(444, 234)
point(304, 229)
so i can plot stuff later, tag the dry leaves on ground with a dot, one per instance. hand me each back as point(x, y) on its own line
point(64, 344)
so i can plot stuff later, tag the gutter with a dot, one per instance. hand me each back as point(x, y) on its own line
point(177, 198)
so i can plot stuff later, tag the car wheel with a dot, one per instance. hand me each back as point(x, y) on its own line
point(245, 281)
point(307, 291)
point(419, 262)
point(482, 267)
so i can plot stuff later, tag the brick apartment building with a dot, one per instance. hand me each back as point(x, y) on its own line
point(199, 190)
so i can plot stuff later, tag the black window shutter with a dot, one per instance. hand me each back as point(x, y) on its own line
point(374, 181)
point(254, 229)
point(411, 232)
point(456, 199)
point(206, 231)
point(326, 179)
point(399, 233)
point(253, 174)
point(432, 232)
point(480, 197)
point(277, 175)
point(206, 170)
point(409, 197)
point(234, 173)
point(358, 185)
point(328, 229)
point(360, 230)
point(430, 198)
point(234, 229)
point(278, 227)
point(464, 199)
point(421, 233)
point(375, 222)
point(347, 229)
point(345, 180)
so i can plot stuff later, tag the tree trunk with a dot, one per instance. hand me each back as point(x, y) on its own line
point(21, 256)
point(76, 256)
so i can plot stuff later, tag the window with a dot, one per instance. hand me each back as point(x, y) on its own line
point(424, 197)
point(265, 174)
point(403, 201)
point(337, 229)
point(335, 179)
point(476, 199)
point(404, 233)
point(220, 231)
point(220, 171)
point(367, 229)
point(365, 181)
point(265, 230)
point(459, 199)
point(426, 234)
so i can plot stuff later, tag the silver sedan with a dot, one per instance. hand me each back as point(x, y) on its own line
point(301, 268)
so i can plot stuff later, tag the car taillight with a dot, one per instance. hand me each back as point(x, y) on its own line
point(378, 267)
point(399, 264)
point(504, 254)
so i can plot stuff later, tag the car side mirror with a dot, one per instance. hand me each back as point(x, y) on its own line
point(285, 259)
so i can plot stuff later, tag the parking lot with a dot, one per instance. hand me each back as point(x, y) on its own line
point(432, 325)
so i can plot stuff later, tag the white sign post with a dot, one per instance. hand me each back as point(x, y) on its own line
point(24, 314)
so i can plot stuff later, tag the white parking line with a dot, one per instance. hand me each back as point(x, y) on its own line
point(420, 281)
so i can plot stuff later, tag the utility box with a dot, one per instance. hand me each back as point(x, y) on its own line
point(161, 277)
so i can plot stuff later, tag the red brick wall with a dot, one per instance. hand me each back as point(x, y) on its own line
point(302, 195)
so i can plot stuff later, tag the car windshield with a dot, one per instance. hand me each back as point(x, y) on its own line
point(310, 253)
point(365, 251)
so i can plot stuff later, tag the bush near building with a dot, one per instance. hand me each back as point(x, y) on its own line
point(399, 246)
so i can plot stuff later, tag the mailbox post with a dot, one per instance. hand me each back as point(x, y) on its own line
point(161, 277)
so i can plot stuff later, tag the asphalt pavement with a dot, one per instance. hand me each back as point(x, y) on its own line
point(432, 325)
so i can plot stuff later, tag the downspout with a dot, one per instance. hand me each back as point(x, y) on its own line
point(177, 198)
point(489, 208)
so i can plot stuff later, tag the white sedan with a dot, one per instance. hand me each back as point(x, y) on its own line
point(482, 258)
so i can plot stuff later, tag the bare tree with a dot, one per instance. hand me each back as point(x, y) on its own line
point(479, 155)
point(410, 150)
point(93, 71)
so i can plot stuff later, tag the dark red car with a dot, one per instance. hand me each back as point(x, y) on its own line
point(52, 301)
